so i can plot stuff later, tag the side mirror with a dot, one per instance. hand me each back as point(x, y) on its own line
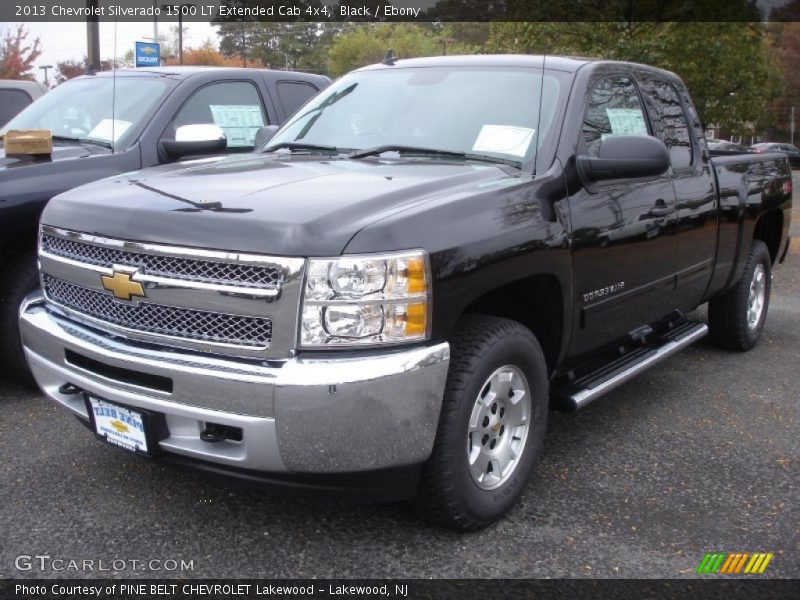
point(625, 156)
point(264, 134)
point(195, 139)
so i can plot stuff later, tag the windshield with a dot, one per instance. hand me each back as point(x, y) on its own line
point(82, 108)
point(490, 112)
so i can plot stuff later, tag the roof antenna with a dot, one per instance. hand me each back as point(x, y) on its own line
point(114, 92)
point(537, 135)
point(390, 58)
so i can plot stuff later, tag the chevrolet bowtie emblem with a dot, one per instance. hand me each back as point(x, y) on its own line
point(120, 426)
point(122, 286)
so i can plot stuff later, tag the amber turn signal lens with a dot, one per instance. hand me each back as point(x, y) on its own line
point(416, 319)
point(416, 276)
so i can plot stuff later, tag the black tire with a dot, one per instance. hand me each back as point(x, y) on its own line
point(19, 279)
point(728, 320)
point(448, 494)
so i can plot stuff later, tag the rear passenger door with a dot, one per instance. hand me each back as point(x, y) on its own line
point(677, 125)
point(293, 94)
point(623, 232)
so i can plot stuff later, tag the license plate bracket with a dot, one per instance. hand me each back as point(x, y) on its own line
point(128, 428)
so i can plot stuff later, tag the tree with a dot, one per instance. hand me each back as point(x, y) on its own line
point(17, 56)
point(726, 66)
point(205, 55)
point(366, 44)
point(784, 42)
point(69, 69)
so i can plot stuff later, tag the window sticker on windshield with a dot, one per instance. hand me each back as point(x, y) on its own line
point(504, 139)
point(626, 121)
point(240, 122)
point(103, 130)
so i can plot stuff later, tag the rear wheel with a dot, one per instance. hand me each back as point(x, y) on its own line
point(736, 319)
point(19, 279)
point(491, 427)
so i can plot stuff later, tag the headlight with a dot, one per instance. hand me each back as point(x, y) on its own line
point(362, 300)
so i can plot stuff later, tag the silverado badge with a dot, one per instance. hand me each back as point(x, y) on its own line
point(122, 286)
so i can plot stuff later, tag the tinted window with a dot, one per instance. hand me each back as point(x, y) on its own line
point(235, 106)
point(671, 121)
point(12, 102)
point(294, 94)
point(614, 109)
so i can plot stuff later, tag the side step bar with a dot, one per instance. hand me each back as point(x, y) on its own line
point(581, 392)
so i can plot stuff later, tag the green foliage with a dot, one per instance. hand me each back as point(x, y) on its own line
point(367, 44)
point(726, 66)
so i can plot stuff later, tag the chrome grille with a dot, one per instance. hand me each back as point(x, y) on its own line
point(188, 324)
point(191, 269)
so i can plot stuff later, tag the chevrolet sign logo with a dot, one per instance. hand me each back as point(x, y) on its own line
point(122, 286)
point(148, 50)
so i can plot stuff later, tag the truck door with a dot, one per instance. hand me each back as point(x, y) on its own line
point(695, 194)
point(235, 106)
point(623, 231)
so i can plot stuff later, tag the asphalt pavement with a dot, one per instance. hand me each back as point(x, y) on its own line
point(698, 455)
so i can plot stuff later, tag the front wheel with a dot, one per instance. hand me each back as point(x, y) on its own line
point(492, 424)
point(736, 319)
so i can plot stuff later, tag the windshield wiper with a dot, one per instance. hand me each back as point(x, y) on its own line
point(66, 138)
point(378, 150)
point(292, 146)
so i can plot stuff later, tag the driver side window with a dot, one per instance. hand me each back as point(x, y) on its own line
point(614, 109)
point(234, 106)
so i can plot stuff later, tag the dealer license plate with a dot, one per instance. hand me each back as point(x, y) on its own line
point(119, 425)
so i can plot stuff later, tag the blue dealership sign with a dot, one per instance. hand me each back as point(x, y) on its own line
point(148, 54)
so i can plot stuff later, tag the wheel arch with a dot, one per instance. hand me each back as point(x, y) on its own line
point(769, 229)
point(537, 302)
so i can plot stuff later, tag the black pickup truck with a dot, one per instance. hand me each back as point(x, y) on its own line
point(112, 122)
point(388, 297)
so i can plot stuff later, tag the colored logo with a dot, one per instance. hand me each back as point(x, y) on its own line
point(122, 286)
point(120, 426)
point(148, 54)
point(719, 563)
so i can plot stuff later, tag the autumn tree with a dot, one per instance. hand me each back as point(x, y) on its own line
point(784, 41)
point(17, 55)
point(69, 69)
point(206, 55)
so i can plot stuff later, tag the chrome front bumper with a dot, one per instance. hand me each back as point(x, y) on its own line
point(302, 415)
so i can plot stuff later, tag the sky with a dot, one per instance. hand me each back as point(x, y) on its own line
point(67, 41)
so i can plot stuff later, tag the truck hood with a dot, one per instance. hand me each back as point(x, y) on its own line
point(293, 206)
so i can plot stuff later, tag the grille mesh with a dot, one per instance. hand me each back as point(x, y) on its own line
point(184, 323)
point(191, 269)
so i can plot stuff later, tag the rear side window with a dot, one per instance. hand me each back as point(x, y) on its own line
point(671, 121)
point(12, 102)
point(614, 109)
point(293, 94)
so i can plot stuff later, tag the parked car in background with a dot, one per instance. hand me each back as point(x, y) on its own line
point(724, 146)
point(106, 124)
point(793, 152)
point(15, 95)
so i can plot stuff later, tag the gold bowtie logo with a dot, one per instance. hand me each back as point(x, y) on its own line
point(120, 426)
point(122, 286)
